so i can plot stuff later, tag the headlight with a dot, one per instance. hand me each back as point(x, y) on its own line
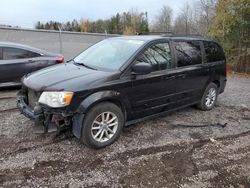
point(56, 99)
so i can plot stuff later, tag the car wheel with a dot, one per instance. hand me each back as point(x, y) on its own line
point(102, 125)
point(209, 97)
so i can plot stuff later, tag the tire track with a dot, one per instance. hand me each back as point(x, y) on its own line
point(183, 145)
point(8, 110)
point(54, 140)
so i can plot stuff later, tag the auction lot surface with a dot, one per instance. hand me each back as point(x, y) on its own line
point(187, 148)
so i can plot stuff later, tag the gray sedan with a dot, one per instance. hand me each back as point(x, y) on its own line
point(16, 60)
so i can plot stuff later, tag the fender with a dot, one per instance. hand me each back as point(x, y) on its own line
point(90, 101)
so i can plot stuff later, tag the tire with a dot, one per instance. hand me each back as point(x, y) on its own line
point(102, 125)
point(210, 94)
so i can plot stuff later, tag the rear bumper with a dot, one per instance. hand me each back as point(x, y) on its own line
point(222, 85)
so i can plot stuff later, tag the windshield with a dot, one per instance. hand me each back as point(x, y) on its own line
point(109, 54)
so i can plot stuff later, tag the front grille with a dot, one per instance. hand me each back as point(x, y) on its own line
point(33, 97)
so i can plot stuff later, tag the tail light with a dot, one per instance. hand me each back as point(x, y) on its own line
point(60, 59)
point(227, 69)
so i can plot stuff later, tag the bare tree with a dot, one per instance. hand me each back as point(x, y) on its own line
point(205, 10)
point(163, 21)
point(186, 15)
point(184, 22)
point(180, 25)
point(195, 18)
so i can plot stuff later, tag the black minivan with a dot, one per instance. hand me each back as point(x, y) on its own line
point(122, 80)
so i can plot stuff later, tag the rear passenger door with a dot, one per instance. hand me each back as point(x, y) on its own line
point(16, 63)
point(191, 75)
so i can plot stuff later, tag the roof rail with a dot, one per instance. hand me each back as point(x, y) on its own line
point(181, 35)
point(160, 33)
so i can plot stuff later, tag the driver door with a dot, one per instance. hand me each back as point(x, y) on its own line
point(151, 93)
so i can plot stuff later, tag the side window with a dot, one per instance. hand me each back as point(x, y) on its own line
point(213, 52)
point(33, 54)
point(158, 56)
point(188, 53)
point(15, 53)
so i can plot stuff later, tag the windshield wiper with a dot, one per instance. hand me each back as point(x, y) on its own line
point(82, 64)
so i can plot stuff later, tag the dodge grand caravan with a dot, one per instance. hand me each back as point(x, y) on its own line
point(122, 80)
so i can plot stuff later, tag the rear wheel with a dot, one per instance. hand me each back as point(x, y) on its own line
point(209, 97)
point(102, 125)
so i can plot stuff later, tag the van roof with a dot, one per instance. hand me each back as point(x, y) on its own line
point(173, 37)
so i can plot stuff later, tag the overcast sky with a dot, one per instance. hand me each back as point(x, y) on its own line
point(26, 13)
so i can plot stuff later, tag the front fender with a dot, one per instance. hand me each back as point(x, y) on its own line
point(90, 101)
point(97, 97)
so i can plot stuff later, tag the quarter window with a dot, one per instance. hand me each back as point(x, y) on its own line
point(213, 52)
point(188, 53)
point(158, 56)
point(33, 54)
point(15, 53)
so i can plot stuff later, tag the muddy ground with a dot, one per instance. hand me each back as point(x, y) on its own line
point(187, 148)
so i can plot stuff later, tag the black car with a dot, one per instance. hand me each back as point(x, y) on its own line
point(17, 60)
point(120, 81)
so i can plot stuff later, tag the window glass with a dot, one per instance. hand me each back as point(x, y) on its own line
point(33, 54)
point(188, 53)
point(15, 53)
point(213, 52)
point(109, 54)
point(158, 56)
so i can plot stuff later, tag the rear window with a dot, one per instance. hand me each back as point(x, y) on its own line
point(188, 53)
point(16, 53)
point(213, 52)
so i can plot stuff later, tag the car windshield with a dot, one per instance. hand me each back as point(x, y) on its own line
point(109, 54)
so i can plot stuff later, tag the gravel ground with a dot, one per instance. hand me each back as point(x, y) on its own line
point(187, 148)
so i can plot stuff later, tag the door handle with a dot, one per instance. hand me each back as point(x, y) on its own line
point(182, 75)
point(169, 77)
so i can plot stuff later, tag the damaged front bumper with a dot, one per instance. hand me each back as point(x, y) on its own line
point(45, 119)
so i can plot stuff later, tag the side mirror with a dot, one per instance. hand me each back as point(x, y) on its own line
point(141, 68)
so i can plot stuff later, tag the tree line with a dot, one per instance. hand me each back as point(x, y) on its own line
point(127, 23)
point(231, 27)
point(193, 18)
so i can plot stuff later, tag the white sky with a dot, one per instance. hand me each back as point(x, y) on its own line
point(26, 13)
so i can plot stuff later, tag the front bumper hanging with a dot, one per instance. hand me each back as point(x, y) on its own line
point(44, 121)
point(24, 108)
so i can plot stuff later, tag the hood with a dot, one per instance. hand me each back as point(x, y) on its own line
point(67, 76)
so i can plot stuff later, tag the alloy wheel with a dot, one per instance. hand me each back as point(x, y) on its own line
point(104, 126)
point(210, 97)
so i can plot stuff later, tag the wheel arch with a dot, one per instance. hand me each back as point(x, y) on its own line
point(102, 96)
point(92, 100)
point(213, 79)
point(217, 82)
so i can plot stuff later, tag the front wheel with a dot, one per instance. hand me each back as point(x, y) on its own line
point(102, 125)
point(209, 97)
